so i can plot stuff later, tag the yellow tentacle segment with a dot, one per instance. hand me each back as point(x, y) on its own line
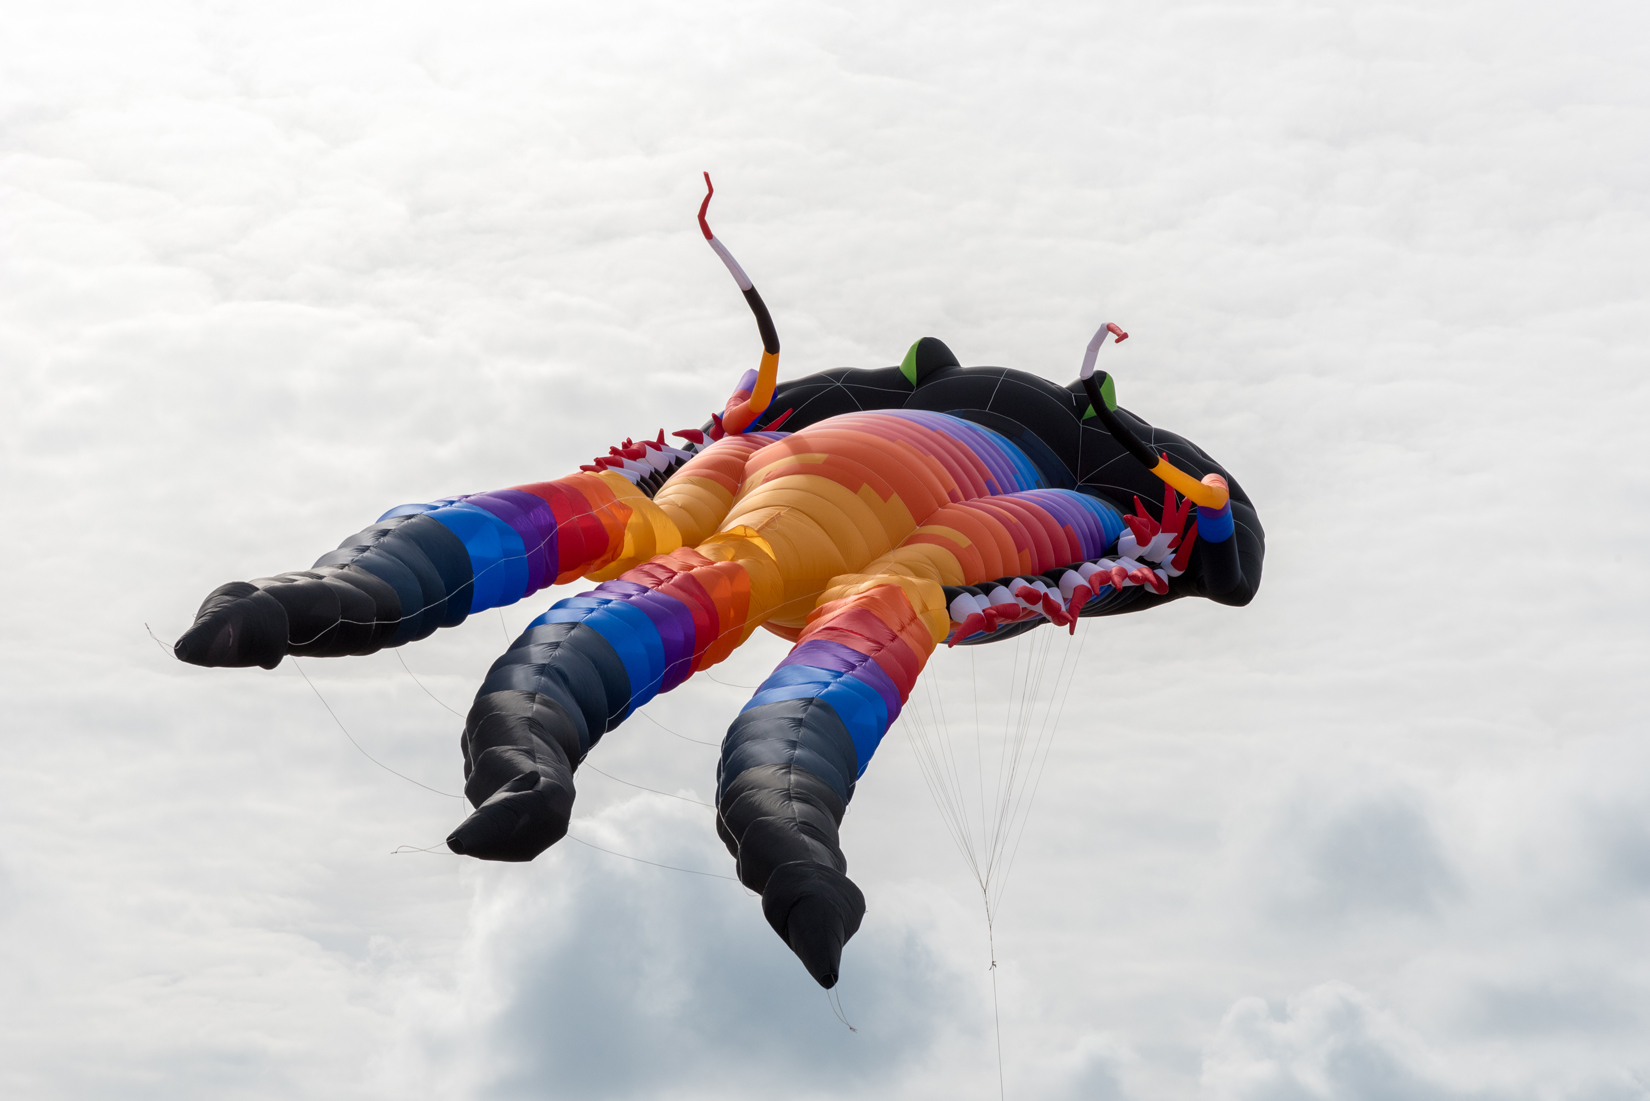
point(741, 415)
point(647, 532)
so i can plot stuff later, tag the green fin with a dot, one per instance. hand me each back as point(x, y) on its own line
point(908, 366)
point(926, 356)
point(1108, 391)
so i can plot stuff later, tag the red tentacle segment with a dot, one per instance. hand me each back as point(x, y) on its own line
point(1111, 326)
point(1080, 596)
point(704, 206)
point(1147, 576)
point(1175, 511)
point(1144, 527)
point(974, 623)
point(1001, 613)
point(1184, 554)
point(691, 435)
point(1052, 609)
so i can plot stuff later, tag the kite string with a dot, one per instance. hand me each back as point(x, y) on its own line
point(684, 737)
point(925, 746)
point(475, 577)
point(945, 771)
point(642, 787)
point(1053, 728)
point(420, 683)
point(356, 744)
point(1013, 786)
point(979, 737)
point(949, 752)
point(1033, 706)
point(833, 998)
point(582, 764)
point(643, 714)
point(434, 852)
point(1020, 811)
point(401, 850)
point(996, 1012)
point(726, 684)
point(654, 863)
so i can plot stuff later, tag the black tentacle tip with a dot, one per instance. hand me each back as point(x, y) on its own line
point(238, 625)
point(815, 909)
point(521, 820)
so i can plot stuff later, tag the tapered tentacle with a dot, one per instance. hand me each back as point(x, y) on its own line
point(395, 582)
point(425, 566)
point(585, 665)
point(791, 759)
point(543, 705)
point(592, 659)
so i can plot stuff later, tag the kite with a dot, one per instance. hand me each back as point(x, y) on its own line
point(867, 516)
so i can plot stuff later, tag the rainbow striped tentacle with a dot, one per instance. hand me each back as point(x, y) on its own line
point(430, 565)
point(791, 759)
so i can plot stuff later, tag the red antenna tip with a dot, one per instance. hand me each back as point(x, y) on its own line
point(1116, 330)
point(704, 206)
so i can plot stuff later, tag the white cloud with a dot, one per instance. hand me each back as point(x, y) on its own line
point(1334, 1041)
point(594, 977)
point(1329, 1042)
point(1366, 850)
point(265, 271)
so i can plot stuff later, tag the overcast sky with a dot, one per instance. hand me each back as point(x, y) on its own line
point(268, 270)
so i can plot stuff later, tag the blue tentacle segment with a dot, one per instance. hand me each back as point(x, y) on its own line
point(419, 567)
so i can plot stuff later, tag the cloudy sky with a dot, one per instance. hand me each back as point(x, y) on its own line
point(267, 270)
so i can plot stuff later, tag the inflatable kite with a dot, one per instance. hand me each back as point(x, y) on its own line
point(867, 516)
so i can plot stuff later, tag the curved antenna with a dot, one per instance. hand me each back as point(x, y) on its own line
point(755, 391)
point(1110, 328)
point(1206, 494)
